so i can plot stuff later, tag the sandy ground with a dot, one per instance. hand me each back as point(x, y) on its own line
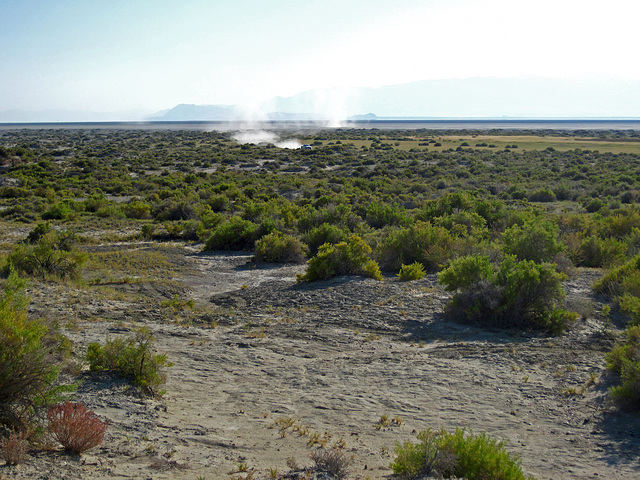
point(266, 369)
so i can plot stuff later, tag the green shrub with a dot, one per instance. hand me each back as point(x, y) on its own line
point(30, 353)
point(622, 280)
point(415, 271)
point(52, 255)
point(630, 304)
point(464, 272)
point(422, 242)
point(536, 240)
point(219, 203)
point(233, 234)
point(459, 454)
point(110, 211)
point(596, 252)
point(59, 211)
point(148, 230)
point(521, 294)
point(464, 224)
point(38, 232)
point(172, 210)
point(542, 195)
point(95, 201)
point(209, 221)
point(377, 215)
point(181, 229)
point(325, 233)
point(133, 358)
point(279, 247)
point(345, 258)
point(448, 204)
point(594, 205)
point(137, 209)
point(177, 304)
point(622, 222)
point(624, 361)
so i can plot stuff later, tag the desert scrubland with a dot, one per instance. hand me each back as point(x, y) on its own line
point(291, 304)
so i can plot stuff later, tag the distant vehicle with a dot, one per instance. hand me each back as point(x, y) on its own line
point(306, 147)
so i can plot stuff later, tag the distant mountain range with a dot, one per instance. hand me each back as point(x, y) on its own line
point(458, 98)
point(533, 97)
point(227, 113)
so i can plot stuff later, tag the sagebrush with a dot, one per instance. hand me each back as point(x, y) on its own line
point(30, 352)
point(520, 294)
point(47, 253)
point(134, 358)
point(460, 454)
point(624, 361)
point(415, 271)
point(345, 258)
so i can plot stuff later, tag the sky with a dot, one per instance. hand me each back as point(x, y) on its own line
point(149, 55)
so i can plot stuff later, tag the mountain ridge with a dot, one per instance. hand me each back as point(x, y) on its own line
point(478, 97)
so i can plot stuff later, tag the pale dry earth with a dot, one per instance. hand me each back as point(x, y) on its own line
point(333, 357)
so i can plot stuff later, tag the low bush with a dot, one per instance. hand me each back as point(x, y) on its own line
point(630, 304)
point(536, 240)
point(521, 294)
point(377, 214)
point(233, 234)
point(601, 252)
point(182, 230)
point(137, 209)
point(177, 304)
point(47, 254)
point(624, 361)
point(542, 195)
point(422, 242)
point(415, 271)
point(333, 461)
point(29, 355)
point(75, 427)
point(345, 258)
point(59, 211)
point(133, 358)
point(280, 247)
point(465, 224)
point(325, 233)
point(110, 211)
point(14, 447)
point(622, 280)
point(456, 455)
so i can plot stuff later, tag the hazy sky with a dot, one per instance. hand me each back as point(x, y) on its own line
point(153, 54)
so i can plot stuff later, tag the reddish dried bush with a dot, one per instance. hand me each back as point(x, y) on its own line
point(14, 447)
point(75, 427)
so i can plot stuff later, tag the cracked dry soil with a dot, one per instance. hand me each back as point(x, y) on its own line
point(266, 367)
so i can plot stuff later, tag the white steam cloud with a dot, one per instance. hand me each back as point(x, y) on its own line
point(254, 136)
point(258, 137)
point(323, 108)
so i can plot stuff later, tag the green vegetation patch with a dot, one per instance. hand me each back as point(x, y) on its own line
point(132, 357)
point(511, 294)
point(345, 258)
point(624, 361)
point(31, 351)
point(460, 454)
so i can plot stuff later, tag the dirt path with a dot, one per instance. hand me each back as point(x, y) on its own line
point(332, 359)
